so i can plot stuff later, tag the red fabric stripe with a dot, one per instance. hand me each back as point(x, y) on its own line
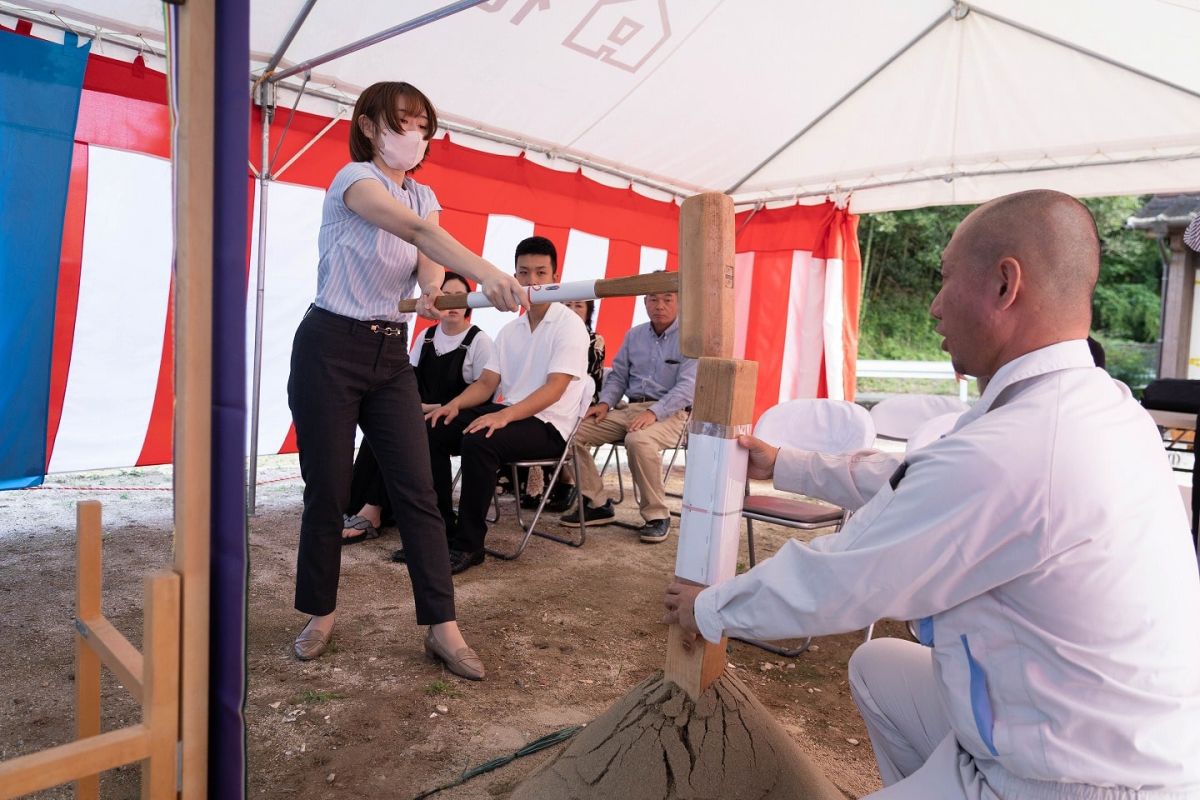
point(67, 303)
point(157, 446)
point(767, 330)
point(616, 317)
point(289, 441)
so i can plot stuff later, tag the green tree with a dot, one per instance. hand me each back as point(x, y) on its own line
point(901, 254)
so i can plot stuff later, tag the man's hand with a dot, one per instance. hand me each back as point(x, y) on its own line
point(490, 422)
point(680, 601)
point(762, 457)
point(425, 306)
point(597, 412)
point(643, 420)
point(445, 413)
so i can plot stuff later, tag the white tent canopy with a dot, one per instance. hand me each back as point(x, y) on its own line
point(895, 105)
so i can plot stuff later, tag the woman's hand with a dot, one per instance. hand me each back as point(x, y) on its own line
point(427, 407)
point(445, 413)
point(504, 291)
point(425, 307)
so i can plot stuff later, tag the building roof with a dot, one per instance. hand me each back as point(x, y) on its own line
point(1171, 210)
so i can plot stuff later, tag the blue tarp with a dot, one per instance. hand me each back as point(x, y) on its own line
point(40, 85)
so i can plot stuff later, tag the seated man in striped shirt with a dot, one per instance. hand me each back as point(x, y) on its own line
point(659, 382)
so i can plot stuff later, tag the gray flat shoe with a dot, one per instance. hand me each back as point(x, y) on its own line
point(311, 643)
point(465, 663)
point(361, 524)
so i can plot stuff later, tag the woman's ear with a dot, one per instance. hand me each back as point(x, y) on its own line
point(366, 125)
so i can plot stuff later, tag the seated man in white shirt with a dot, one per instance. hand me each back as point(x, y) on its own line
point(541, 358)
point(1041, 544)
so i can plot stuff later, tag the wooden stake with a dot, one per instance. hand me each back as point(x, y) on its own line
point(160, 700)
point(193, 374)
point(89, 578)
point(706, 254)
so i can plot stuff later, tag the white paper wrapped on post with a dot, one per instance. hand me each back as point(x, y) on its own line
point(714, 488)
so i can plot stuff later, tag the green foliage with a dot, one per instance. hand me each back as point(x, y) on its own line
point(316, 697)
point(901, 254)
point(441, 688)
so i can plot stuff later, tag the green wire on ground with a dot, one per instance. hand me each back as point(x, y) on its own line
point(548, 740)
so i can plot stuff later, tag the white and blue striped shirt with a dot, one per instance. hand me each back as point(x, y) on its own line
point(363, 270)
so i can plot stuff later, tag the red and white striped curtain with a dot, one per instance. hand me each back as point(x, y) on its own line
point(111, 392)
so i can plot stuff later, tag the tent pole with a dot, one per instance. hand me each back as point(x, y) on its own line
point(266, 107)
point(287, 39)
point(948, 14)
point(376, 38)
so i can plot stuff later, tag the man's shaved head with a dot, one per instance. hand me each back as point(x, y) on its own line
point(1017, 275)
point(1051, 234)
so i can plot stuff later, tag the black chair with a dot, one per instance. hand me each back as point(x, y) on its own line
point(1182, 397)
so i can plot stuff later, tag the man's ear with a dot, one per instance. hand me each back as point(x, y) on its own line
point(1009, 270)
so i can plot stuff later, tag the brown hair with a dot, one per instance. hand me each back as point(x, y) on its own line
point(379, 103)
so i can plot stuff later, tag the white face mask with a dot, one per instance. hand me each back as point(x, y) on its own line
point(401, 151)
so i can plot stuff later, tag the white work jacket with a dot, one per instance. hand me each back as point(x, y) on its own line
point(1043, 546)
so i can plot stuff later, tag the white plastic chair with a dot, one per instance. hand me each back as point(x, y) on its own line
point(931, 431)
point(899, 416)
point(586, 389)
point(825, 426)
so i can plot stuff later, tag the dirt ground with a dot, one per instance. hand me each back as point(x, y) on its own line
point(564, 633)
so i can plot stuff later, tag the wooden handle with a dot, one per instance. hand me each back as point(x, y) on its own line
point(577, 290)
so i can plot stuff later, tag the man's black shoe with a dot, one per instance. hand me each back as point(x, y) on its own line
point(530, 501)
point(561, 498)
point(593, 515)
point(461, 560)
point(398, 556)
point(655, 531)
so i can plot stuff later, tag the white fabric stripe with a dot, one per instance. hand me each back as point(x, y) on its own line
point(293, 223)
point(743, 288)
point(803, 345)
point(123, 293)
point(652, 259)
point(834, 319)
point(586, 259)
point(503, 235)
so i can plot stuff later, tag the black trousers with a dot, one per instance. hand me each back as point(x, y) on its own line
point(482, 456)
point(345, 375)
point(366, 485)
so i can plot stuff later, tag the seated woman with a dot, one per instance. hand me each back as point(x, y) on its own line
point(447, 358)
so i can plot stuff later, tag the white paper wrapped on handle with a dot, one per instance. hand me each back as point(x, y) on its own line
point(550, 293)
point(714, 488)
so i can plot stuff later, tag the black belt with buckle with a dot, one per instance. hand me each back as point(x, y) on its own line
point(643, 399)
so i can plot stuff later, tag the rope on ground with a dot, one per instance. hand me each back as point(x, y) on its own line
point(549, 740)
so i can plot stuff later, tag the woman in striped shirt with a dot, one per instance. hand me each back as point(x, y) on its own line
point(379, 239)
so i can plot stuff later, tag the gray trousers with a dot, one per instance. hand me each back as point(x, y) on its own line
point(893, 684)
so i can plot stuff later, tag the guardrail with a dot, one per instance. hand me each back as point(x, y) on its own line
point(928, 370)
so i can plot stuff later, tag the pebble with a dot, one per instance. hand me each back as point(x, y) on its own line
point(852, 741)
point(372, 658)
point(791, 666)
point(443, 710)
point(331, 777)
point(814, 647)
point(434, 714)
point(766, 666)
point(276, 704)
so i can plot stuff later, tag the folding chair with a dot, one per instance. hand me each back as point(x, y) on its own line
point(899, 416)
point(585, 402)
point(614, 457)
point(826, 426)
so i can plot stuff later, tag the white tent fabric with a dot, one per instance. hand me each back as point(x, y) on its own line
point(893, 105)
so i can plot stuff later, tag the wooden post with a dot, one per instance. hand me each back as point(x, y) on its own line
point(723, 406)
point(193, 374)
point(160, 691)
point(89, 579)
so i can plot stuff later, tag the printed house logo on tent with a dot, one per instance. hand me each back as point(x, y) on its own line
point(623, 33)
